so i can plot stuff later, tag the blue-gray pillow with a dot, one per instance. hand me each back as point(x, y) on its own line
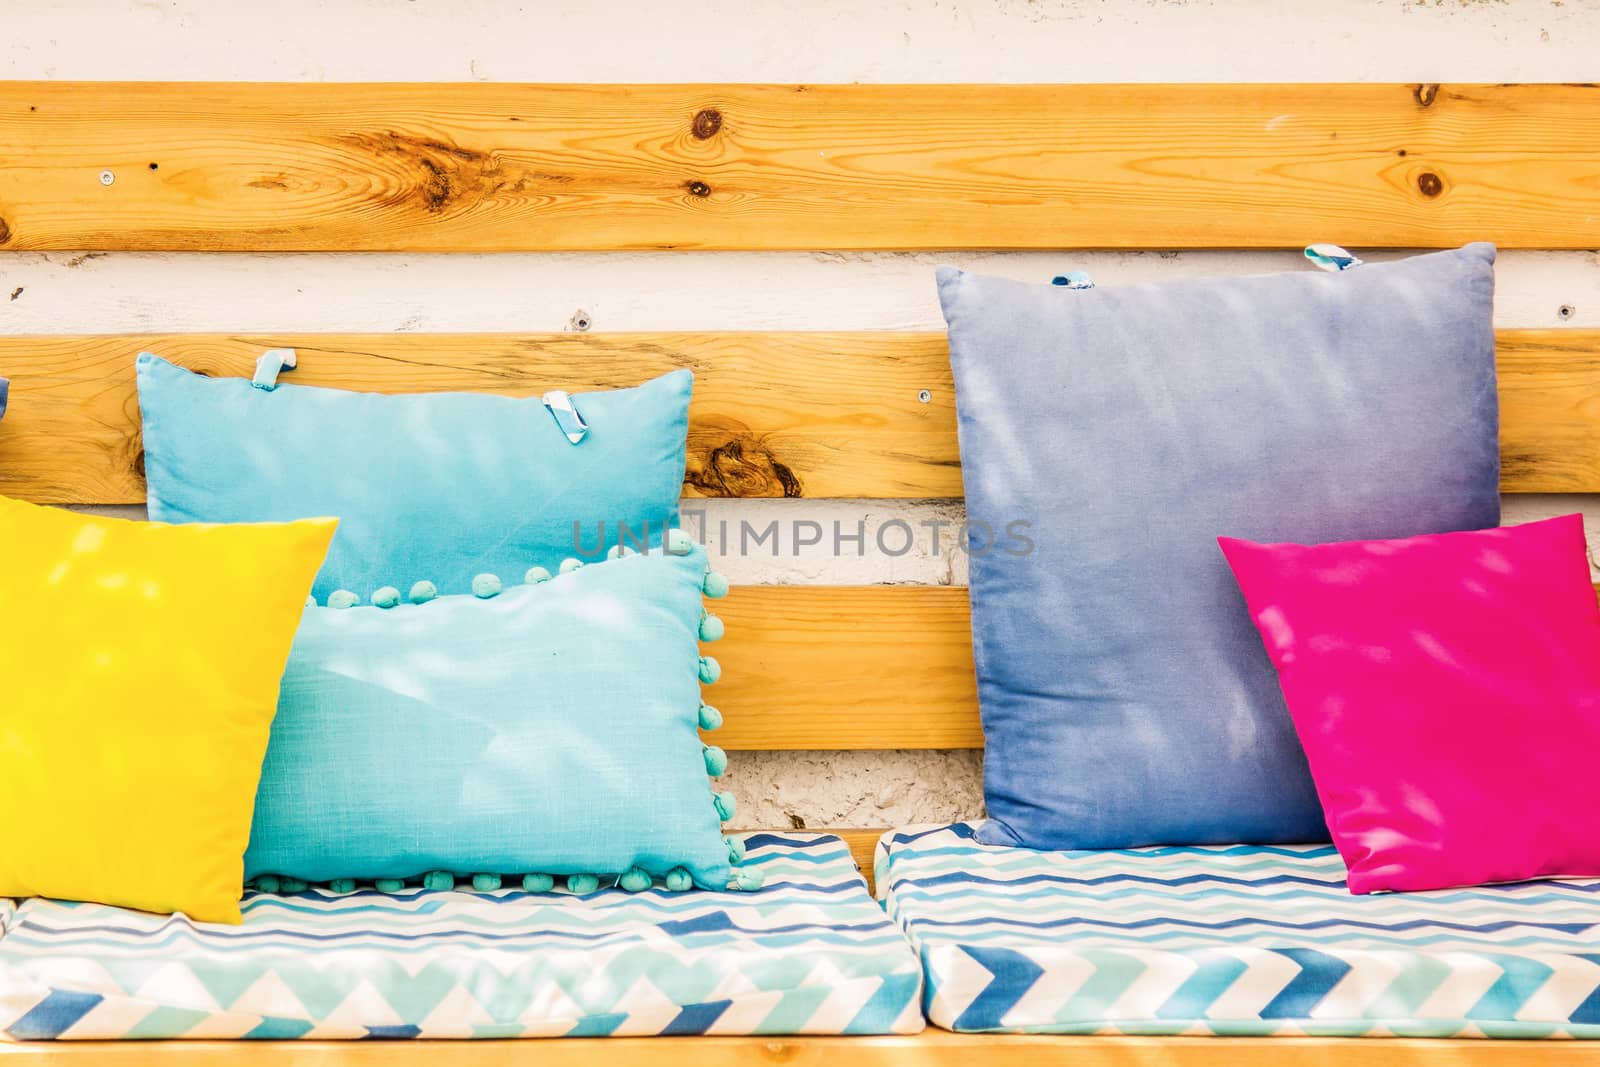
point(430, 486)
point(1126, 696)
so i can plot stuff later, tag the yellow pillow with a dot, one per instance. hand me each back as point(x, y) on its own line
point(139, 669)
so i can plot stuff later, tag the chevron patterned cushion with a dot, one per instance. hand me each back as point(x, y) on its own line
point(1232, 940)
point(810, 953)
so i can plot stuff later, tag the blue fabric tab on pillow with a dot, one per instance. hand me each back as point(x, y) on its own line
point(438, 487)
point(566, 414)
point(1332, 258)
point(1126, 696)
point(547, 728)
point(271, 363)
point(5, 394)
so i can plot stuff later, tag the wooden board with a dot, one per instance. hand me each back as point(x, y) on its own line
point(1550, 411)
point(493, 167)
point(805, 414)
point(846, 667)
point(932, 1048)
point(863, 849)
point(775, 414)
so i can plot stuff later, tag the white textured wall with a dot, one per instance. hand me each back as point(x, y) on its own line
point(749, 40)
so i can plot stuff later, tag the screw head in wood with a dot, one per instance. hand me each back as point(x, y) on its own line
point(106, 177)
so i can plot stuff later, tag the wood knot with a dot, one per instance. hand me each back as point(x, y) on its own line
point(743, 468)
point(698, 188)
point(1430, 184)
point(138, 461)
point(1425, 93)
point(442, 175)
point(5, 232)
point(437, 188)
point(707, 123)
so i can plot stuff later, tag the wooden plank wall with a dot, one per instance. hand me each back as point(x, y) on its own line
point(499, 168)
point(486, 167)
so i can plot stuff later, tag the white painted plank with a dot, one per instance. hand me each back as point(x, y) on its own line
point(818, 40)
point(133, 292)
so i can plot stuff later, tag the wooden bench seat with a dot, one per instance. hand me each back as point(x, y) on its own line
point(930, 1047)
point(502, 168)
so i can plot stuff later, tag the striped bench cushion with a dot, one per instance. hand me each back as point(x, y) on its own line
point(810, 953)
point(1232, 940)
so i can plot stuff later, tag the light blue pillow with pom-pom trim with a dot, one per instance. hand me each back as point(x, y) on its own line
point(434, 486)
point(503, 737)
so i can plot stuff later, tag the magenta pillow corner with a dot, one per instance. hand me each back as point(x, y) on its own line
point(1446, 689)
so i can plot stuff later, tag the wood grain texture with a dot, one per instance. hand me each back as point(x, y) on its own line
point(846, 667)
point(497, 167)
point(931, 1048)
point(774, 414)
point(810, 667)
point(800, 414)
point(1550, 410)
point(863, 849)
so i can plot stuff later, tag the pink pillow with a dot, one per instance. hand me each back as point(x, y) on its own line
point(1447, 691)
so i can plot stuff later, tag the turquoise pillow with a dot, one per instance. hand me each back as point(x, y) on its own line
point(436, 486)
point(547, 730)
